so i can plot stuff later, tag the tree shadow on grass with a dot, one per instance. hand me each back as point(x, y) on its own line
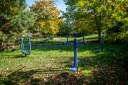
point(20, 56)
point(57, 79)
point(27, 77)
point(7, 56)
point(18, 76)
point(65, 78)
point(104, 69)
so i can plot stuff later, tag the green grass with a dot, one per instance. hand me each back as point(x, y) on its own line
point(47, 64)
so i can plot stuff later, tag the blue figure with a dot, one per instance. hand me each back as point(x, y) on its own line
point(75, 67)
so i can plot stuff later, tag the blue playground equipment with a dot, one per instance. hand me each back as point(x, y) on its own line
point(24, 50)
point(75, 66)
point(75, 35)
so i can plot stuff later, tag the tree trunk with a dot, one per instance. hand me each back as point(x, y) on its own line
point(98, 28)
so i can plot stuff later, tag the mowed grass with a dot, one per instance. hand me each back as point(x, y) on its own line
point(55, 58)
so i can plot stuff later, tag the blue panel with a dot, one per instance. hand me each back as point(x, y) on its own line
point(74, 69)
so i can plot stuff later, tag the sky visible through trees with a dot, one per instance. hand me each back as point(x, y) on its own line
point(59, 4)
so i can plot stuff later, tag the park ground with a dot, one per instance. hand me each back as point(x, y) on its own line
point(49, 64)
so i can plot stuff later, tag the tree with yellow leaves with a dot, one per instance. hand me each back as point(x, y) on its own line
point(47, 16)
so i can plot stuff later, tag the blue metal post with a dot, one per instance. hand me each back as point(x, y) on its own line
point(75, 52)
point(75, 66)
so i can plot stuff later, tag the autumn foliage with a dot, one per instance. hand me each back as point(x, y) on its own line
point(47, 16)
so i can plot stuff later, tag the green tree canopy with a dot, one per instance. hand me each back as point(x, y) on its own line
point(101, 16)
point(15, 20)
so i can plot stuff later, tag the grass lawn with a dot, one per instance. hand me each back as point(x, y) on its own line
point(49, 64)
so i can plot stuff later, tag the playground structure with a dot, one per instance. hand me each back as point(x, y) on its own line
point(76, 35)
point(24, 50)
point(76, 61)
point(28, 50)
